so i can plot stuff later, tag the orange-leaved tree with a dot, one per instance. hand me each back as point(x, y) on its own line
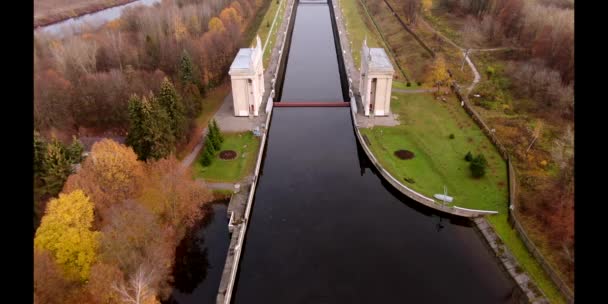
point(109, 175)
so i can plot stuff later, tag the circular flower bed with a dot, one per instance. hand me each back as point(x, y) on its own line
point(227, 154)
point(404, 154)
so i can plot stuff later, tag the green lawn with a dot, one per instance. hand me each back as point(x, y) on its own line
point(403, 85)
point(246, 146)
point(426, 125)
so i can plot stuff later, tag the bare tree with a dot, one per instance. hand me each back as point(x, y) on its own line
point(138, 290)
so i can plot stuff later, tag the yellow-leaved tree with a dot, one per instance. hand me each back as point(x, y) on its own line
point(65, 232)
point(438, 73)
point(216, 25)
point(427, 5)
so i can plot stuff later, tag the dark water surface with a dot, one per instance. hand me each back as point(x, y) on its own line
point(200, 259)
point(324, 229)
point(312, 72)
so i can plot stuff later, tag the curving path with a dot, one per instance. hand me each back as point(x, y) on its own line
point(463, 50)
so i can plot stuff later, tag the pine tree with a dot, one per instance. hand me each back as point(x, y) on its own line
point(150, 134)
point(39, 152)
point(171, 102)
point(212, 136)
point(218, 133)
point(160, 134)
point(56, 167)
point(136, 136)
point(75, 150)
point(207, 156)
point(186, 69)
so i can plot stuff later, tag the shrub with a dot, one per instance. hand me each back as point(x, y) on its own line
point(419, 83)
point(408, 84)
point(452, 136)
point(478, 166)
point(490, 71)
point(468, 157)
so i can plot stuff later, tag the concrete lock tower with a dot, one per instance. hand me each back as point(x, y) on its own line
point(376, 81)
point(247, 77)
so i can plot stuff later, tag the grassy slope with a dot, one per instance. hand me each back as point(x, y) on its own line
point(425, 127)
point(266, 24)
point(246, 146)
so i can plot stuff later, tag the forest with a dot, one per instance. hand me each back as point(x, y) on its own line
point(107, 222)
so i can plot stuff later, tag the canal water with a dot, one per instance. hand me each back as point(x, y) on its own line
point(92, 20)
point(200, 258)
point(325, 228)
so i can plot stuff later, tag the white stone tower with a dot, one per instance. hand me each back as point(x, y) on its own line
point(247, 77)
point(376, 81)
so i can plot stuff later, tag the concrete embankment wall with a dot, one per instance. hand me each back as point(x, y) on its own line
point(239, 226)
point(284, 53)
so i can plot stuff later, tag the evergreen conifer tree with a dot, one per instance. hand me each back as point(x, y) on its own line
point(171, 102)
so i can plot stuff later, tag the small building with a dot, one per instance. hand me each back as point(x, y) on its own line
point(247, 77)
point(376, 81)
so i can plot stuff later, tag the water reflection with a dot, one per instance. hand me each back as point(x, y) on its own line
point(200, 259)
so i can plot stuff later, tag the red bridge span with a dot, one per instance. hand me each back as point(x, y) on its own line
point(311, 104)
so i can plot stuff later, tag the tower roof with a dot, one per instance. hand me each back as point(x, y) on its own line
point(247, 59)
point(378, 61)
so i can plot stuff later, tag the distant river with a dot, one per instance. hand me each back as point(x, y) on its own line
point(92, 20)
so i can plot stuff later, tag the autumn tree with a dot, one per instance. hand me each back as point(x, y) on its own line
point(173, 195)
point(50, 286)
point(100, 283)
point(65, 231)
point(138, 289)
point(171, 103)
point(438, 73)
point(132, 236)
point(109, 175)
point(427, 5)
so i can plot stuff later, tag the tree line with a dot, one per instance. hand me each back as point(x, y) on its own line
point(83, 83)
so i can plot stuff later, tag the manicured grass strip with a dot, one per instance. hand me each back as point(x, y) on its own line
point(524, 257)
point(246, 146)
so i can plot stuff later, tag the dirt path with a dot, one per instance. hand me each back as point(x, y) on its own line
point(414, 91)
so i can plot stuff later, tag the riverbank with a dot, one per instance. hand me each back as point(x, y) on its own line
point(48, 12)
